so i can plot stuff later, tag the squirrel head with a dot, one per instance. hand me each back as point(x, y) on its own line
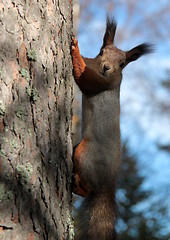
point(113, 60)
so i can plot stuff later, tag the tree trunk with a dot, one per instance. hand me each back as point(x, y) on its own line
point(35, 119)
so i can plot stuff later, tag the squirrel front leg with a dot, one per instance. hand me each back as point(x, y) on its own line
point(79, 68)
point(78, 62)
point(86, 73)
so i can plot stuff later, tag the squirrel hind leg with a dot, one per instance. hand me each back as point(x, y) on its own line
point(79, 187)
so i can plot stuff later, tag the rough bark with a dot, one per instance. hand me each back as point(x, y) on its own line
point(35, 119)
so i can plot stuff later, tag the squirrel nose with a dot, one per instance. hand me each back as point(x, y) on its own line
point(106, 68)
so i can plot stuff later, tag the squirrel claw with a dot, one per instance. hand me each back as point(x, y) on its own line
point(74, 43)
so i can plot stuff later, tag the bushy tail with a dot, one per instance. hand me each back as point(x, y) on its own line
point(98, 217)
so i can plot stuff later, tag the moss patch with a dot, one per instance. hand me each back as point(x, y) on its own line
point(0, 71)
point(32, 55)
point(32, 93)
point(4, 193)
point(2, 153)
point(2, 108)
point(69, 222)
point(21, 112)
point(24, 73)
point(24, 172)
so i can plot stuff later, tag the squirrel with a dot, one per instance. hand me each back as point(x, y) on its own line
point(96, 158)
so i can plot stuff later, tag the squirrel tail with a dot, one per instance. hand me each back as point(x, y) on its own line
point(98, 217)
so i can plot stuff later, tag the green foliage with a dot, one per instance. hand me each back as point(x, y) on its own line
point(136, 223)
point(166, 84)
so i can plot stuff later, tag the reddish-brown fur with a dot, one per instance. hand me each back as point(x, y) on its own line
point(79, 186)
point(78, 63)
point(97, 157)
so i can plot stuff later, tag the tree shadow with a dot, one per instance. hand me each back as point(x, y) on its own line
point(35, 153)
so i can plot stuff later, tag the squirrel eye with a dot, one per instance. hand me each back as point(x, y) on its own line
point(101, 53)
point(122, 65)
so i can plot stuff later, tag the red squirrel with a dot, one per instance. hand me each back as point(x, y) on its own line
point(96, 158)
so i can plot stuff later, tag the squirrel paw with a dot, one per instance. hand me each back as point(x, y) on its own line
point(74, 43)
point(78, 62)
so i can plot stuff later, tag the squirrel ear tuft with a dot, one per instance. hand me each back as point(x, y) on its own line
point(110, 32)
point(139, 51)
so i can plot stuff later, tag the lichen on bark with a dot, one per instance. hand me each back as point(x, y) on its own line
point(35, 119)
